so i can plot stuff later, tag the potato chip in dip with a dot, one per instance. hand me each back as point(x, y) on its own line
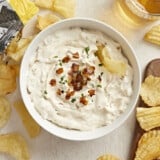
point(70, 86)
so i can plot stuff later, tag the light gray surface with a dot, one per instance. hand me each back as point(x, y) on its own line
point(49, 147)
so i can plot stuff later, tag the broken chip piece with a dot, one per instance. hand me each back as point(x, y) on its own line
point(14, 145)
point(47, 4)
point(153, 35)
point(31, 126)
point(150, 91)
point(5, 111)
point(46, 20)
point(148, 118)
point(113, 66)
point(108, 157)
point(17, 48)
point(65, 8)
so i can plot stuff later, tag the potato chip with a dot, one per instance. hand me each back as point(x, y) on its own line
point(148, 146)
point(7, 79)
point(65, 8)
point(148, 118)
point(46, 20)
point(150, 91)
point(16, 49)
point(153, 36)
point(25, 9)
point(107, 157)
point(113, 66)
point(48, 4)
point(5, 111)
point(14, 145)
point(31, 126)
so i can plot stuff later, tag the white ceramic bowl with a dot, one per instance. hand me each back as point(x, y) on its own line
point(73, 134)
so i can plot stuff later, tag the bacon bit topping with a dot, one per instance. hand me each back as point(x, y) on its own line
point(91, 92)
point(66, 59)
point(52, 82)
point(76, 55)
point(88, 70)
point(59, 71)
point(83, 100)
point(58, 92)
point(75, 67)
point(69, 94)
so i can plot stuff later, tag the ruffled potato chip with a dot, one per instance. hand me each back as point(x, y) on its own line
point(65, 8)
point(153, 36)
point(7, 79)
point(108, 157)
point(25, 9)
point(14, 145)
point(31, 126)
point(5, 111)
point(150, 91)
point(113, 66)
point(148, 118)
point(148, 146)
point(46, 20)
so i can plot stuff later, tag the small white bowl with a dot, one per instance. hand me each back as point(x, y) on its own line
point(89, 24)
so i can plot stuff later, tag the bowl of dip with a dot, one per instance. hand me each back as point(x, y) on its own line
point(80, 79)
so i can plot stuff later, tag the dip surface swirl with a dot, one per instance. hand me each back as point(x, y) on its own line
point(70, 87)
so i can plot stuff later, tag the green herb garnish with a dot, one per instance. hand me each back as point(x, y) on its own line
point(45, 92)
point(55, 57)
point(87, 49)
point(73, 100)
point(100, 86)
point(100, 64)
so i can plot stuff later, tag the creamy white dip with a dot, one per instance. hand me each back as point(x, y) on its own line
point(57, 91)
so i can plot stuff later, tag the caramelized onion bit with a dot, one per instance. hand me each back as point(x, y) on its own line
point(59, 71)
point(83, 100)
point(66, 59)
point(75, 67)
point(91, 92)
point(75, 55)
point(52, 82)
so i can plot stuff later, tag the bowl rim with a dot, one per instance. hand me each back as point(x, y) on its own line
point(73, 134)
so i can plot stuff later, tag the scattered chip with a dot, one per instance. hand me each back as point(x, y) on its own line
point(14, 145)
point(150, 91)
point(148, 146)
point(65, 8)
point(17, 48)
point(148, 118)
point(107, 157)
point(25, 9)
point(153, 36)
point(48, 4)
point(7, 79)
point(113, 66)
point(5, 111)
point(46, 20)
point(31, 126)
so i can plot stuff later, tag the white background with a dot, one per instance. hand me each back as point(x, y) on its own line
point(49, 147)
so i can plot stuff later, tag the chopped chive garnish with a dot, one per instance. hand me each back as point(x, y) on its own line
point(100, 86)
point(100, 64)
point(55, 57)
point(45, 92)
point(73, 100)
point(102, 73)
point(86, 49)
